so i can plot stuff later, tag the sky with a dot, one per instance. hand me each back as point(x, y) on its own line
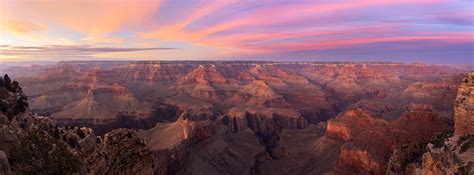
point(429, 31)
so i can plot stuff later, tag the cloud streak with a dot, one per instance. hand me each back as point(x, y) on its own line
point(71, 50)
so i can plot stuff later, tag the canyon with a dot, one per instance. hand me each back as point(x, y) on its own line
point(246, 117)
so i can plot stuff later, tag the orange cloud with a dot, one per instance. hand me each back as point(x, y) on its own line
point(21, 27)
point(94, 18)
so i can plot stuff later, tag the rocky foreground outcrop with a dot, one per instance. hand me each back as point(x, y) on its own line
point(122, 151)
point(31, 143)
point(444, 154)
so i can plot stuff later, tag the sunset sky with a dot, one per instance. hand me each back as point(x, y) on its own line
point(431, 31)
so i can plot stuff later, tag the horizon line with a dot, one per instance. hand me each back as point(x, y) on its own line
point(224, 60)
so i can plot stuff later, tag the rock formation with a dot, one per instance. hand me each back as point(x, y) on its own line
point(122, 151)
point(464, 107)
point(445, 154)
point(369, 141)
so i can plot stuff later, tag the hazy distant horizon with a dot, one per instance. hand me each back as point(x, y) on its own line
point(45, 62)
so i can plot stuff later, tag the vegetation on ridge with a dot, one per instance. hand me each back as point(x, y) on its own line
point(39, 153)
point(8, 105)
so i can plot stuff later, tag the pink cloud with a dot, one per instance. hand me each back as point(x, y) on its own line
point(92, 18)
point(338, 43)
point(283, 14)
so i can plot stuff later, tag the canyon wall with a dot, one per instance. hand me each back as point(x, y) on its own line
point(446, 153)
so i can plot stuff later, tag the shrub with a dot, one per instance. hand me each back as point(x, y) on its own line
point(10, 104)
point(55, 133)
point(39, 153)
point(71, 141)
point(3, 105)
point(15, 87)
point(64, 138)
point(7, 81)
point(81, 133)
point(21, 104)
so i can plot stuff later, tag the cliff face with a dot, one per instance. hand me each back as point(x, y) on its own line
point(264, 121)
point(445, 154)
point(464, 107)
point(170, 143)
point(456, 155)
point(121, 152)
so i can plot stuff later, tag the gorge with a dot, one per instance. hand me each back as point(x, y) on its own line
point(244, 117)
